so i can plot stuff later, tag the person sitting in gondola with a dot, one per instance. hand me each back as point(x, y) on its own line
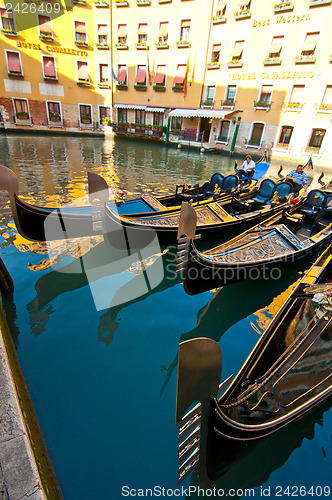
point(298, 179)
point(248, 169)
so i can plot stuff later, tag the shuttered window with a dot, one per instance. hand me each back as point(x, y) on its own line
point(160, 75)
point(45, 25)
point(276, 45)
point(82, 71)
point(102, 34)
point(122, 73)
point(215, 53)
point(7, 20)
point(103, 73)
point(185, 30)
point(49, 67)
point(237, 51)
point(14, 62)
point(220, 9)
point(80, 31)
point(163, 32)
point(310, 43)
point(141, 75)
point(142, 33)
point(180, 74)
point(122, 33)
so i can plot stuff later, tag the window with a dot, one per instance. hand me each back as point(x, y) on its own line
point(14, 65)
point(49, 70)
point(185, 30)
point(45, 27)
point(256, 134)
point(21, 108)
point(160, 78)
point(215, 53)
point(327, 98)
point(142, 33)
point(122, 33)
point(276, 45)
point(85, 113)
point(122, 74)
point(237, 51)
point(80, 32)
point(224, 130)
point(158, 119)
point(102, 31)
point(209, 94)
point(220, 9)
point(140, 116)
point(163, 32)
point(296, 96)
point(310, 43)
point(83, 72)
point(7, 21)
point(230, 94)
point(103, 73)
point(53, 111)
point(104, 112)
point(176, 123)
point(122, 115)
point(316, 139)
point(244, 5)
point(266, 94)
point(285, 135)
point(180, 75)
point(140, 79)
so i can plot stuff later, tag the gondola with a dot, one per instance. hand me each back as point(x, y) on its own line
point(289, 235)
point(287, 375)
point(218, 218)
point(41, 223)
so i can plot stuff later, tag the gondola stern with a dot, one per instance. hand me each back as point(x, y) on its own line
point(199, 372)
point(98, 188)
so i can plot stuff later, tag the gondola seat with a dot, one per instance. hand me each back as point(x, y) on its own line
point(265, 193)
point(283, 190)
point(208, 190)
point(316, 200)
point(230, 182)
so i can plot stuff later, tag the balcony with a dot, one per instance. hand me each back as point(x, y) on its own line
point(305, 59)
point(8, 32)
point(140, 3)
point(319, 3)
point(242, 14)
point(228, 103)
point(121, 86)
point(213, 65)
point(283, 7)
point(102, 46)
point(46, 37)
point(161, 45)
point(218, 19)
point(178, 87)
point(141, 46)
point(182, 44)
point(121, 3)
point(262, 105)
point(272, 61)
point(235, 64)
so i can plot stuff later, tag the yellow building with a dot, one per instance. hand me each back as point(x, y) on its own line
point(243, 75)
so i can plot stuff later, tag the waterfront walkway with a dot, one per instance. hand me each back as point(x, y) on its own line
point(19, 477)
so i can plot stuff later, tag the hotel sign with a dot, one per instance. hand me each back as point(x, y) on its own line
point(293, 18)
point(50, 48)
point(274, 75)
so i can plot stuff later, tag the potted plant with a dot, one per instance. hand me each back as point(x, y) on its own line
point(22, 115)
point(85, 119)
point(55, 117)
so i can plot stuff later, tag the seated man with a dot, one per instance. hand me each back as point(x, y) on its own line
point(298, 179)
point(248, 168)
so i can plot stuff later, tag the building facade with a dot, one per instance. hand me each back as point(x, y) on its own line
point(241, 75)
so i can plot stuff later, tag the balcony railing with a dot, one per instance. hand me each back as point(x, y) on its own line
point(305, 59)
point(242, 14)
point(218, 19)
point(262, 105)
point(318, 3)
point(235, 64)
point(272, 61)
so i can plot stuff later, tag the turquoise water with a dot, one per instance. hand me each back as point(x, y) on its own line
point(103, 382)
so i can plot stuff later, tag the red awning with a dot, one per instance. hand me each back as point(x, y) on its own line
point(140, 75)
point(49, 66)
point(6, 14)
point(122, 73)
point(14, 62)
point(83, 73)
point(142, 29)
point(180, 74)
point(163, 30)
point(102, 29)
point(185, 23)
point(122, 30)
point(80, 27)
point(160, 75)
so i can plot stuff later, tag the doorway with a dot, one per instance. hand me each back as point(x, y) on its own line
point(205, 129)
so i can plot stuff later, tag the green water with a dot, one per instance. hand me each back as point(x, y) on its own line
point(103, 382)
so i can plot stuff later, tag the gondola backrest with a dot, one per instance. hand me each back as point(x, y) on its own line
point(266, 189)
point(230, 182)
point(316, 198)
point(283, 189)
point(216, 180)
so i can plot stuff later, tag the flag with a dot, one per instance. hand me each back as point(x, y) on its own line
point(149, 74)
point(185, 83)
point(113, 74)
point(193, 71)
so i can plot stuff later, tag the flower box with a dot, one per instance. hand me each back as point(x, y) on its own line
point(102, 46)
point(83, 83)
point(228, 103)
point(213, 65)
point(55, 117)
point(318, 3)
point(140, 86)
point(272, 61)
point(235, 64)
point(165, 1)
point(9, 32)
point(50, 79)
point(262, 105)
point(218, 19)
point(177, 88)
point(121, 46)
point(121, 3)
point(81, 2)
point(159, 88)
point(310, 59)
point(13, 74)
point(208, 102)
point(86, 120)
point(182, 44)
point(161, 45)
point(101, 3)
point(243, 14)
point(22, 115)
point(103, 85)
point(46, 38)
point(121, 86)
point(81, 43)
point(283, 7)
point(294, 105)
point(141, 46)
point(143, 2)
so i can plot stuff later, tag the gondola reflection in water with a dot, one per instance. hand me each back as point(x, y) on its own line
point(287, 375)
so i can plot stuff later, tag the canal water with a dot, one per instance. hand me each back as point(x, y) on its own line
point(100, 361)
